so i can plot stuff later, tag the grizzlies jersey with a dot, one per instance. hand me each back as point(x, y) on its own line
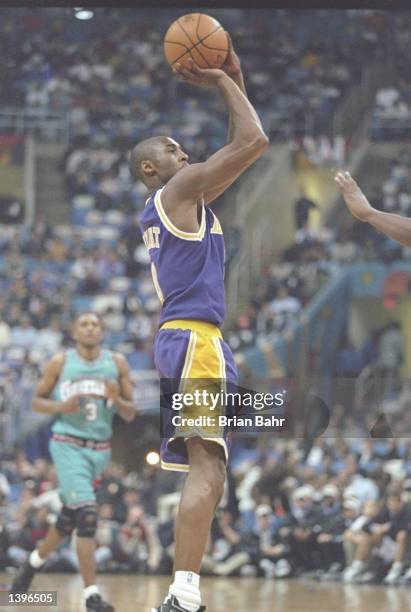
point(187, 267)
point(86, 378)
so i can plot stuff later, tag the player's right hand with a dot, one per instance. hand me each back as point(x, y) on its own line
point(73, 404)
point(202, 77)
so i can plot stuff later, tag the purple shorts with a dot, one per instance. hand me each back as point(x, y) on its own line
point(194, 361)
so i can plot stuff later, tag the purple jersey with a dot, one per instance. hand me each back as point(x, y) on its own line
point(187, 268)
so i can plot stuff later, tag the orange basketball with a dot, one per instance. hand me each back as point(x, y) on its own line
point(196, 36)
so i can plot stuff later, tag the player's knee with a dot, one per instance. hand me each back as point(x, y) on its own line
point(207, 459)
point(86, 522)
point(66, 521)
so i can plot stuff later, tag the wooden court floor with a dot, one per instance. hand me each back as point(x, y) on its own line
point(139, 593)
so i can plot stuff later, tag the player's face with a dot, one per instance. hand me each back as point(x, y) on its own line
point(171, 158)
point(88, 330)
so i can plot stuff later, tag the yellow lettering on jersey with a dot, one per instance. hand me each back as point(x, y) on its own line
point(216, 229)
point(151, 237)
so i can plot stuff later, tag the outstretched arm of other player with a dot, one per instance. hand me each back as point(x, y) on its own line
point(45, 386)
point(232, 67)
point(121, 392)
point(249, 142)
point(396, 227)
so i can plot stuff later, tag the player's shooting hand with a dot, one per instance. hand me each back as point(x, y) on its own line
point(232, 65)
point(208, 77)
point(73, 404)
point(356, 201)
point(112, 390)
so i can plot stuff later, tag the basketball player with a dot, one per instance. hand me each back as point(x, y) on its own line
point(186, 246)
point(83, 387)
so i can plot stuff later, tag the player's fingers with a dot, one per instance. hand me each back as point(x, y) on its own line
point(187, 73)
point(195, 68)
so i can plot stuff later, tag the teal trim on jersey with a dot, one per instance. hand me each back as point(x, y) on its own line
point(78, 376)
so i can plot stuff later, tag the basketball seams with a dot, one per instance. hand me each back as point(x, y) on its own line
point(194, 45)
point(201, 40)
point(172, 42)
point(212, 48)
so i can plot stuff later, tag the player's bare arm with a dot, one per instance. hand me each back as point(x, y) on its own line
point(248, 142)
point(45, 386)
point(395, 226)
point(232, 67)
point(121, 392)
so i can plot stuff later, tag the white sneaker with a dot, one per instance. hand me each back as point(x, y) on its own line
point(353, 571)
point(394, 574)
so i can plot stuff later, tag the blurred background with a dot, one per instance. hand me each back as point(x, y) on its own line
point(316, 301)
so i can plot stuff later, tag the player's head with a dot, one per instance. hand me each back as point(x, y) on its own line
point(88, 329)
point(156, 160)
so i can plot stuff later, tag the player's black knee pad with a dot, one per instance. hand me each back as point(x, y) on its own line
point(86, 522)
point(66, 521)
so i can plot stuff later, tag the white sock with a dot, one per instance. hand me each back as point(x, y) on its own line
point(35, 560)
point(91, 590)
point(186, 587)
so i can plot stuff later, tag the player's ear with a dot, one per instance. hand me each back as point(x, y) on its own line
point(147, 167)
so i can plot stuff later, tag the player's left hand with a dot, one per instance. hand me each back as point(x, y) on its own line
point(112, 390)
point(232, 65)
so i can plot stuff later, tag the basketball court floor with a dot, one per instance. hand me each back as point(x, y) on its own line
point(139, 593)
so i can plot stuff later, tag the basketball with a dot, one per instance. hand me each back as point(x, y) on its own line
point(199, 37)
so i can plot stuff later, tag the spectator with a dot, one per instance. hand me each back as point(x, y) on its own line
point(302, 208)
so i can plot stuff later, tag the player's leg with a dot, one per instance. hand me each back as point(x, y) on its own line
point(91, 465)
point(55, 536)
point(85, 543)
point(56, 533)
point(200, 496)
point(192, 356)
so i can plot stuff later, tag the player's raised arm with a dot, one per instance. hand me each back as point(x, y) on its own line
point(121, 392)
point(248, 142)
point(232, 67)
point(396, 227)
point(45, 386)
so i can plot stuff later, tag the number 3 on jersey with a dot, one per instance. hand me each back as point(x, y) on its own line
point(91, 411)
